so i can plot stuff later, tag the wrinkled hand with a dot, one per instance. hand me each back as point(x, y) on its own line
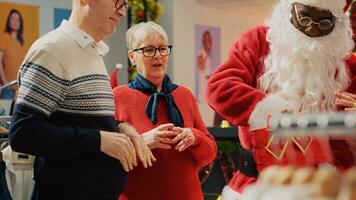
point(185, 136)
point(160, 137)
point(118, 146)
point(346, 99)
point(142, 150)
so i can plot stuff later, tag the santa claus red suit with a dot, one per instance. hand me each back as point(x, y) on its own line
point(276, 68)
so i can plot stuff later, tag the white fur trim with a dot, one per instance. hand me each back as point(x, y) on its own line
point(335, 6)
point(273, 105)
point(230, 194)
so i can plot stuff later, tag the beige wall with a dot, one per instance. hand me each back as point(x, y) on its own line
point(232, 20)
point(179, 21)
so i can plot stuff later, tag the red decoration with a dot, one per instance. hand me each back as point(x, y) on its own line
point(113, 78)
point(141, 14)
point(348, 3)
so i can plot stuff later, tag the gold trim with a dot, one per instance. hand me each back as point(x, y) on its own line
point(281, 154)
point(302, 149)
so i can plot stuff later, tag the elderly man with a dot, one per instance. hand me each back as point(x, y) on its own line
point(64, 114)
point(294, 64)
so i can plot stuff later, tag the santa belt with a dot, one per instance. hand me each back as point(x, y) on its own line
point(247, 164)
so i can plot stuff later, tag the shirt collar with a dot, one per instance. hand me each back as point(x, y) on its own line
point(82, 38)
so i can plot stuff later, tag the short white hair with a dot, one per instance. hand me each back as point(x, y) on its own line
point(138, 33)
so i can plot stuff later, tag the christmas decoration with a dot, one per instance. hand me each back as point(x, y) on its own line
point(114, 75)
point(145, 10)
point(225, 156)
point(227, 151)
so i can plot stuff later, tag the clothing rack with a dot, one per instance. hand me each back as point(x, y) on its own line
point(7, 85)
point(321, 124)
point(3, 133)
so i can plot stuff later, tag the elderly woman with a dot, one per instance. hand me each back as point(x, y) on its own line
point(167, 117)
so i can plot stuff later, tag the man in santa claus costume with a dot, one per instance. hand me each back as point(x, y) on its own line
point(294, 64)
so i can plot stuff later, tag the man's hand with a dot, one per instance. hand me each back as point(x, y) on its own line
point(346, 99)
point(118, 146)
point(160, 137)
point(185, 136)
point(272, 105)
point(143, 151)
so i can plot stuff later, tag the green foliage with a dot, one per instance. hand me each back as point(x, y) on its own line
point(154, 10)
point(227, 146)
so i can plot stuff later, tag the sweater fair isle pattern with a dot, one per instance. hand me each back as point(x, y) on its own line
point(65, 99)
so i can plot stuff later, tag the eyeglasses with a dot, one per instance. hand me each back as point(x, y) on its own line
point(324, 24)
point(120, 6)
point(151, 51)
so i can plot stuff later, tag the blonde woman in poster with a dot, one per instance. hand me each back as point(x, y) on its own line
point(204, 65)
point(12, 51)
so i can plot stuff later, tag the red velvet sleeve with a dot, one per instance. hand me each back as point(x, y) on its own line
point(231, 90)
point(351, 63)
point(204, 148)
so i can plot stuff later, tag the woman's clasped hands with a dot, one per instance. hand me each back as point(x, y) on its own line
point(166, 136)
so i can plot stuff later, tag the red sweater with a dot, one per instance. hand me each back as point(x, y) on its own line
point(175, 174)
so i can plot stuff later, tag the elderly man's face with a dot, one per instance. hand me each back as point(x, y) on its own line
point(312, 21)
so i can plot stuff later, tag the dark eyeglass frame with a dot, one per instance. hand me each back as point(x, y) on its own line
point(310, 21)
point(125, 5)
point(169, 51)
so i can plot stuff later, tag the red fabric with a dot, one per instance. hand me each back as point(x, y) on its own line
point(231, 92)
point(174, 175)
point(240, 181)
point(113, 78)
point(317, 152)
point(347, 6)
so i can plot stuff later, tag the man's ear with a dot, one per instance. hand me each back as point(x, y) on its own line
point(84, 2)
point(130, 54)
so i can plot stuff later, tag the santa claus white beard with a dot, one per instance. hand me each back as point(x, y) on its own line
point(307, 71)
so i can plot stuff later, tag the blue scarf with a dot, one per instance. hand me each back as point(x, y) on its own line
point(143, 85)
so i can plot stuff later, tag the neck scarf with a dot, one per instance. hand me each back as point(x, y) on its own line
point(143, 85)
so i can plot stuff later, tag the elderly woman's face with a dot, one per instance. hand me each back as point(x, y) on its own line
point(151, 67)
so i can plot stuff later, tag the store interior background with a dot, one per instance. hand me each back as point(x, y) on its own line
point(233, 17)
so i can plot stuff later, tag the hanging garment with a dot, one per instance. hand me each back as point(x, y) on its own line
point(4, 191)
point(18, 173)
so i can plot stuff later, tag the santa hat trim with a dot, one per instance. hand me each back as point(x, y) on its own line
point(335, 6)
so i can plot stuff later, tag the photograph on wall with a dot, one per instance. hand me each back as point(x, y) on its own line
point(60, 14)
point(19, 28)
point(207, 49)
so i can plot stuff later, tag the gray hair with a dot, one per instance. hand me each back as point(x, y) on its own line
point(137, 33)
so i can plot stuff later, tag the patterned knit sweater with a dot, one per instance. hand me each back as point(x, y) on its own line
point(64, 100)
point(174, 175)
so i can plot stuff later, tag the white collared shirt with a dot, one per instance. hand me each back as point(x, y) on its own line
point(83, 39)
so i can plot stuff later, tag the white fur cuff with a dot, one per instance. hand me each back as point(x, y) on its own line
point(335, 6)
point(229, 194)
point(271, 105)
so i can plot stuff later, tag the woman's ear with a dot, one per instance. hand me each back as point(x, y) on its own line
point(130, 54)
